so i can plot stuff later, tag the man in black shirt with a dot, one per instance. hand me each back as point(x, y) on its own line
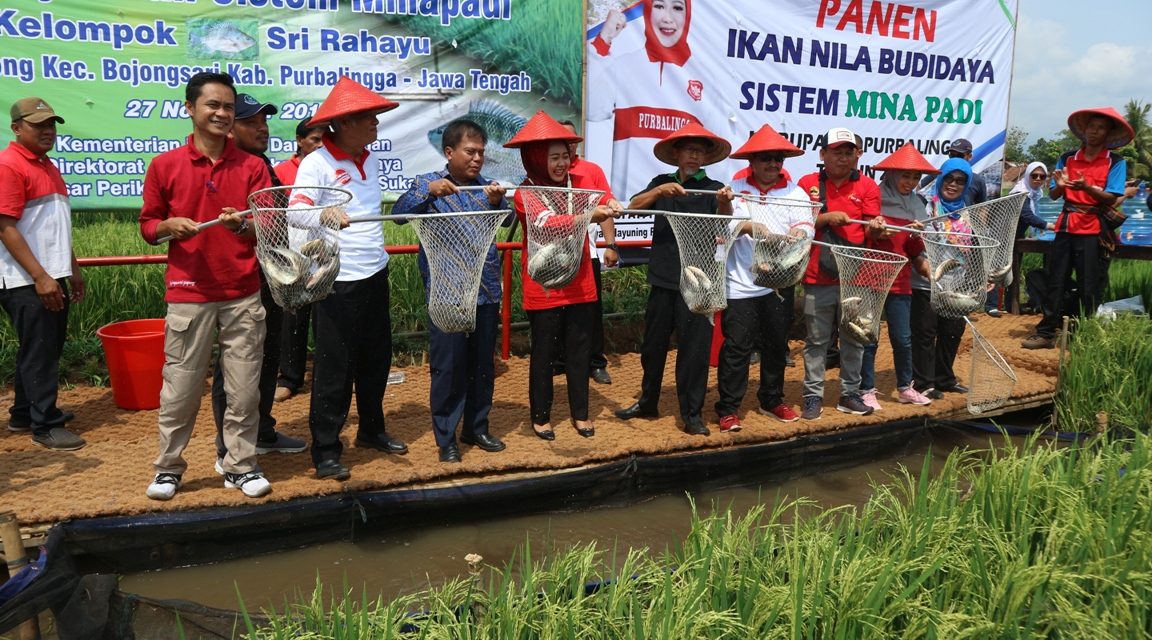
point(688, 149)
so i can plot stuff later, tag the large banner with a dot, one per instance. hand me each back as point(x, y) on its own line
point(115, 71)
point(925, 71)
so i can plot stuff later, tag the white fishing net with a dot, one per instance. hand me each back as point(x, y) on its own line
point(297, 231)
point(866, 277)
point(556, 219)
point(991, 379)
point(703, 240)
point(958, 271)
point(456, 245)
point(997, 219)
point(783, 230)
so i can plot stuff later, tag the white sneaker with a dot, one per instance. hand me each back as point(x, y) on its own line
point(219, 466)
point(909, 395)
point(253, 483)
point(163, 486)
point(869, 398)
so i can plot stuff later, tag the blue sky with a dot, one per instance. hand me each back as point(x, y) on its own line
point(1072, 54)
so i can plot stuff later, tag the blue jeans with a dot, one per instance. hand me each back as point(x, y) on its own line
point(898, 313)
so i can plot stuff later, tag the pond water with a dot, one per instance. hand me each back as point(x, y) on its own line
point(1137, 230)
point(405, 560)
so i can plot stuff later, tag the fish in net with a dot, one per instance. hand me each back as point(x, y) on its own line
point(782, 231)
point(297, 242)
point(556, 220)
point(991, 379)
point(703, 240)
point(997, 219)
point(866, 277)
point(958, 265)
point(456, 245)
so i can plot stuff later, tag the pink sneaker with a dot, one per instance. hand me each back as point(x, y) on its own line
point(730, 423)
point(869, 398)
point(909, 395)
point(781, 412)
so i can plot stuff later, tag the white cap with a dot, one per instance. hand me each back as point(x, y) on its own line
point(838, 136)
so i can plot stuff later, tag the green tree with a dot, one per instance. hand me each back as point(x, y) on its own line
point(1014, 145)
point(1047, 151)
point(1139, 153)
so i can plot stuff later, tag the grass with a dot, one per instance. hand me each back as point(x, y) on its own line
point(1107, 370)
point(1126, 278)
point(1039, 542)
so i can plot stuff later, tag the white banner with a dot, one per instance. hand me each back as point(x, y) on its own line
point(925, 71)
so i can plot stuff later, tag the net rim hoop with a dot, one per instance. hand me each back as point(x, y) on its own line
point(455, 214)
point(875, 255)
point(781, 200)
point(686, 214)
point(987, 242)
point(531, 187)
point(344, 193)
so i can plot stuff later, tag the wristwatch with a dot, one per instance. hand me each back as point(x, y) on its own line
point(243, 228)
point(612, 246)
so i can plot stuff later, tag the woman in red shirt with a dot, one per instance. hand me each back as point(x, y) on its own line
point(543, 145)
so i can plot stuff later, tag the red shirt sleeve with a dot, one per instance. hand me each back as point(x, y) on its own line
point(155, 207)
point(12, 190)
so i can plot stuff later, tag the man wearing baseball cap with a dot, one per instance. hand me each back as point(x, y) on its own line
point(39, 275)
point(845, 194)
point(250, 133)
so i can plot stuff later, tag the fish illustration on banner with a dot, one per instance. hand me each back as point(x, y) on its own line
point(500, 123)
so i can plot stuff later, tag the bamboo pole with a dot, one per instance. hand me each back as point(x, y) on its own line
point(17, 559)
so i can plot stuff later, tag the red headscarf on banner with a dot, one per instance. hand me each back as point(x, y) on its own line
point(678, 53)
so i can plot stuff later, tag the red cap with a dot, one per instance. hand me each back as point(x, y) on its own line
point(1121, 134)
point(348, 97)
point(541, 127)
point(665, 150)
point(906, 158)
point(766, 140)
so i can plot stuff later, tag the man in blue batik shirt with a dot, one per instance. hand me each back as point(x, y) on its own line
point(463, 375)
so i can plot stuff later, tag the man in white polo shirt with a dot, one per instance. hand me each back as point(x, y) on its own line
point(37, 269)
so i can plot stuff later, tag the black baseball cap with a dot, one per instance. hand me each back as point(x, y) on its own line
point(959, 145)
point(247, 106)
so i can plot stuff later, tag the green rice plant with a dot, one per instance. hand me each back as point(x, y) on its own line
point(1107, 369)
point(1019, 542)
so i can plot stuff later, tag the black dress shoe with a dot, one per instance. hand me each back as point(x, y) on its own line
point(544, 434)
point(382, 442)
point(636, 411)
point(600, 376)
point(332, 469)
point(694, 426)
point(934, 394)
point(586, 432)
point(953, 388)
point(451, 453)
point(485, 441)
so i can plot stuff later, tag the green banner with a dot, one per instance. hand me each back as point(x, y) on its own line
point(115, 71)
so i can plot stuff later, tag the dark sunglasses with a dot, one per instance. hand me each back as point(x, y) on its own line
point(765, 157)
point(1038, 176)
point(955, 180)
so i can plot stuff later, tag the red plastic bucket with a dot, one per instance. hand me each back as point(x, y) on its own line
point(134, 351)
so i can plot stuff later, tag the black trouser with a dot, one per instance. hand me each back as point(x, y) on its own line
point(666, 312)
point(1079, 253)
point(268, 370)
point(37, 378)
point(752, 323)
point(463, 376)
point(596, 347)
point(575, 320)
point(294, 348)
point(353, 349)
point(935, 340)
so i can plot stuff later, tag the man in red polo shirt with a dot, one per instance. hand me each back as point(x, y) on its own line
point(213, 285)
point(1090, 180)
point(36, 268)
point(846, 195)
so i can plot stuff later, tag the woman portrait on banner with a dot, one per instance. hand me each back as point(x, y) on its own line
point(650, 87)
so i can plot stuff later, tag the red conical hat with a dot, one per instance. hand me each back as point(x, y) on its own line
point(539, 128)
point(665, 150)
point(906, 158)
point(767, 140)
point(348, 97)
point(1121, 134)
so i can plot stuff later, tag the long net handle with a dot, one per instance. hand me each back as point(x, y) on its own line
point(891, 227)
point(702, 192)
point(204, 225)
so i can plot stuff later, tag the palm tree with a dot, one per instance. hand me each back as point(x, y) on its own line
point(1136, 113)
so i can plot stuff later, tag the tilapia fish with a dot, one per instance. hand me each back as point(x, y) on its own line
point(553, 266)
point(219, 36)
point(500, 123)
point(856, 322)
point(285, 267)
point(319, 250)
point(696, 287)
point(779, 261)
point(953, 304)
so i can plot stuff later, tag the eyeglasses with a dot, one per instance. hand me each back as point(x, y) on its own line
point(1038, 176)
point(955, 180)
point(694, 150)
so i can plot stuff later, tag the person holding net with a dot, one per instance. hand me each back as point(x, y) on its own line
point(213, 286)
point(900, 205)
point(463, 374)
point(543, 145)
point(353, 323)
point(689, 149)
point(758, 317)
point(935, 338)
point(845, 194)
